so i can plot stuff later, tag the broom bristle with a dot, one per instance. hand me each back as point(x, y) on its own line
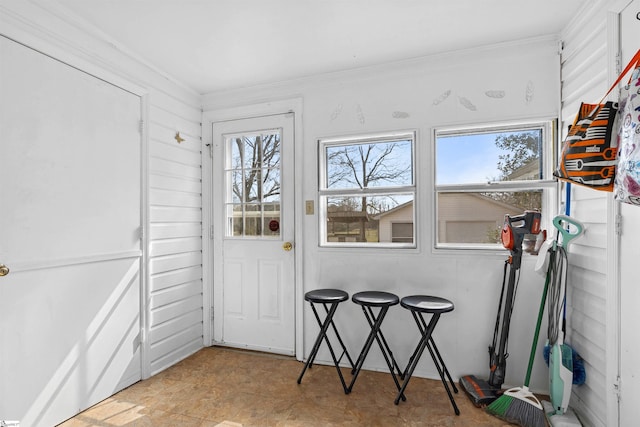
point(517, 411)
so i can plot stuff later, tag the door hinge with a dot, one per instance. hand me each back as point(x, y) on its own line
point(141, 126)
point(618, 62)
point(211, 232)
point(212, 314)
point(618, 225)
point(617, 388)
point(141, 233)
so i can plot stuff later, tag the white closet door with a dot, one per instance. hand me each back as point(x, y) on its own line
point(69, 234)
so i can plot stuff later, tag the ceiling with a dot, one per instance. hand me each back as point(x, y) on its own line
point(215, 45)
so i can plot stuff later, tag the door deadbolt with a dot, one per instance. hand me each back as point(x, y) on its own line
point(4, 270)
point(287, 246)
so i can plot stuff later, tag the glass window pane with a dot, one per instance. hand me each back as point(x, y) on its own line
point(271, 150)
point(235, 188)
point(271, 185)
point(253, 185)
point(252, 147)
point(236, 152)
point(271, 220)
point(489, 157)
point(349, 222)
point(234, 220)
point(467, 217)
point(253, 220)
point(380, 164)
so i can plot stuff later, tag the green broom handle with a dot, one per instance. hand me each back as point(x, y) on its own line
point(539, 322)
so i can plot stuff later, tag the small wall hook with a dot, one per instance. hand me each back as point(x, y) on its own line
point(179, 138)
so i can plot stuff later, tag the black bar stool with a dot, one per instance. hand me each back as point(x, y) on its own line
point(419, 305)
point(369, 300)
point(329, 298)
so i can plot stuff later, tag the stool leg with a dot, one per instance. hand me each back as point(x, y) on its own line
point(417, 353)
point(323, 330)
point(393, 365)
point(367, 345)
point(376, 334)
point(324, 326)
point(446, 371)
point(427, 342)
point(344, 347)
point(385, 349)
point(444, 381)
point(422, 325)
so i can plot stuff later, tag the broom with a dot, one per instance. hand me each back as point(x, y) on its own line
point(518, 405)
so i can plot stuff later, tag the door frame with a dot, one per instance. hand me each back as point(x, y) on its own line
point(211, 254)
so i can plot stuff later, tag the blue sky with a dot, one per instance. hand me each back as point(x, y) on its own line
point(467, 159)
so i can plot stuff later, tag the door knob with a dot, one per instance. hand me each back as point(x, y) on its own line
point(287, 246)
point(4, 270)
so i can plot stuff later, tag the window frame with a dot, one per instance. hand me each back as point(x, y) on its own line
point(548, 184)
point(325, 193)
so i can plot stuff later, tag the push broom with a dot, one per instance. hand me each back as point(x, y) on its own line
point(518, 405)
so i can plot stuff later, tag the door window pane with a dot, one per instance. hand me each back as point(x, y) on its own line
point(253, 182)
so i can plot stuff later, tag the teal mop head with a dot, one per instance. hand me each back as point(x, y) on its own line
point(579, 372)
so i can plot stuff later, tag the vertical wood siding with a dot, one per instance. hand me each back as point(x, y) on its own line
point(585, 78)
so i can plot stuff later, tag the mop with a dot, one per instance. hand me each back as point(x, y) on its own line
point(561, 369)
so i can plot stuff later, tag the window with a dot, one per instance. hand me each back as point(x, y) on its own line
point(402, 232)
point(366, 185)
point(481, 174)
point(252, 181)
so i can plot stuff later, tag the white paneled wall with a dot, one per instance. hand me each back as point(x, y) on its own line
point(175, 229)
point(586, 70)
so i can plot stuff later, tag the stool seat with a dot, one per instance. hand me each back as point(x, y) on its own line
point(375, 298)
point(326, 295)
point(427, 304)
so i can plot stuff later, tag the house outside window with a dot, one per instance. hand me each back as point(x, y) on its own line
point(484, 173)
point(364, 182)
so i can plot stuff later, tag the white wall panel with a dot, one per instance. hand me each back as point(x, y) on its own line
point(585, 78)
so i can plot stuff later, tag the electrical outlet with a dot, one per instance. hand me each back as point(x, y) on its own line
point(308, 207)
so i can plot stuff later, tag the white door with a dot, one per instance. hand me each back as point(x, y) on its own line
point(629, 256)
point(254, 290)
point(69, 235)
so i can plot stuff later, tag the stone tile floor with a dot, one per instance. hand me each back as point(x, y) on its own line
point(230, 388)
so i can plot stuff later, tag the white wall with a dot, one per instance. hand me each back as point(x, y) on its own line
point(437, 91)
point(588, 68)
point(172, 326)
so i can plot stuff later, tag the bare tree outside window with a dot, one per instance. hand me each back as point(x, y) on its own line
point(370, 169)
point(254, 178)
